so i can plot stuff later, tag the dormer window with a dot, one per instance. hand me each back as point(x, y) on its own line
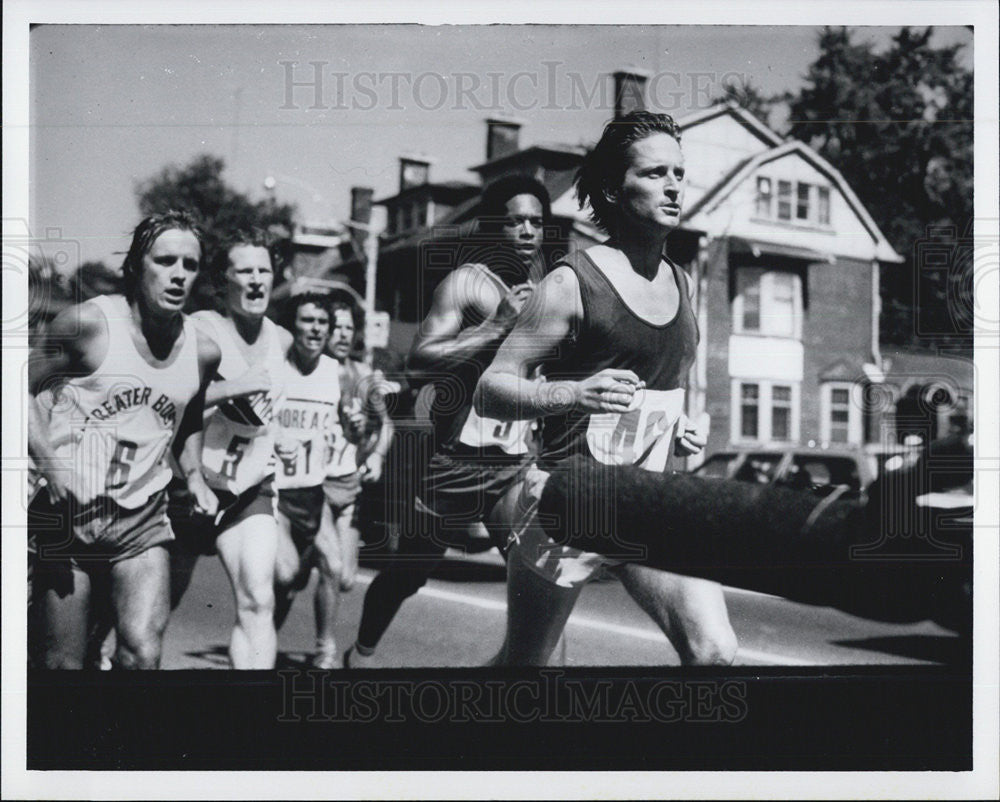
point(792, 201)
point(784, 200)
point(763, 196)
point(823, 210)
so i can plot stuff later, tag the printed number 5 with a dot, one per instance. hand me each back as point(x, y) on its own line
point(119, 467)
point(237, 447)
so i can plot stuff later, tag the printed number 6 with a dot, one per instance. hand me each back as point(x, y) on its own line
point(119, 467)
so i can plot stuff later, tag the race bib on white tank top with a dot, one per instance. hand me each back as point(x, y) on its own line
point(238, 450)
point(643, 436)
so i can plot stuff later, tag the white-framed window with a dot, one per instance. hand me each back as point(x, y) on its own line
point(763, 196)
point(792, 201)
point(768, 302)
point(823, 206)
point(784, 200)
point(781, 412)
point(764, 411)
point(840, 413)
point(803, 191)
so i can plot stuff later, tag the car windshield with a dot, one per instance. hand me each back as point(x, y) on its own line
point(821, 471)
point(759, 468)
point(717, 466)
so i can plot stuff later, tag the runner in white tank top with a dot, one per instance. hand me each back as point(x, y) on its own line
point(113, 428)
point(239, 432)
point(118, 382)
point(239, 444)
point(308, 421)
point(311, 440)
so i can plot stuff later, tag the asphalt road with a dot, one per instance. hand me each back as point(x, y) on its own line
point(458, 620)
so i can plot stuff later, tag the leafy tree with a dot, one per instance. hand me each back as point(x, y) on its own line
point(747, 95)
point(200, 187)
point(898, 125)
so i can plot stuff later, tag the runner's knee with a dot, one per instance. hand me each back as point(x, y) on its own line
point(399, 583)
point(285, 571)
point(57, 658)
point(717, 648)
point(255, 599)
point(138, 650)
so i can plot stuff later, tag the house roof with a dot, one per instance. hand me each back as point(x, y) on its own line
point(558, 148)
point(711, 200)
point(908, 367)
point(741, 115)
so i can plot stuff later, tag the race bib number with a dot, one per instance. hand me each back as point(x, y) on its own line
point(643, 436)
point(341, 454)
point(510, 436)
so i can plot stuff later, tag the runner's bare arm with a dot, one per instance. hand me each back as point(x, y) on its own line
point(506, 391)
point(74, 345)
point(372, 453)
point(442, 344)
point(224, 388)
point(189, 434)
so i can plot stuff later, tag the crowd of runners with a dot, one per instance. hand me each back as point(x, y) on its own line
point(158, 437)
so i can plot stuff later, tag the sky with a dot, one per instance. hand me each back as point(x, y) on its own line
point(112, 105)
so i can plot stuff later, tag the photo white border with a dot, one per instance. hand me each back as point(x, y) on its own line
point(981, 782)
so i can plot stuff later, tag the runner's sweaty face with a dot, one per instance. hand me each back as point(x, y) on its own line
point(168, 272)
point(342, 336)
point(249, 278)
point(651, 194)
point(312, 331)
point(522, 226)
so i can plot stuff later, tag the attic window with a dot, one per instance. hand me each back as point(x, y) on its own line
point(763, 196)
point(823, 210)
point(784, 200)
point(797, 201)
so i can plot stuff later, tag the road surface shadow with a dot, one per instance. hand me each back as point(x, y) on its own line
point(450, 569)
point(218, 657)
point(948, 649)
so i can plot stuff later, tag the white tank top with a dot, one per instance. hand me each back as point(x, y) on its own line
point(309, 417)
point(239, 433)
point(112, 430)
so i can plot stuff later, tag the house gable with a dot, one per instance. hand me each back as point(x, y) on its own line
point(716, 141)
point(730, 208)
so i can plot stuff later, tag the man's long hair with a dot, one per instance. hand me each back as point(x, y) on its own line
point(143, 237)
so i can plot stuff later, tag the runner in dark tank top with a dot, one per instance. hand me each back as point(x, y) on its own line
point(611, 334)
point(614, 335)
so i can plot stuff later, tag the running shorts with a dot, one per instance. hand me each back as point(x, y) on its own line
point(197, 532)
point(99, 531)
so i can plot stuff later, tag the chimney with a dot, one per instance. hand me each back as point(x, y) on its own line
point(361, 204)
point(501, 138)
point(361, 212)
point(414, 171)
point(630, 91)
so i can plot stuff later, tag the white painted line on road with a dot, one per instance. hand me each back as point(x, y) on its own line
point(589, 623)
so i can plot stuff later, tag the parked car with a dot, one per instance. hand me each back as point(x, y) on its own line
point(816, 469)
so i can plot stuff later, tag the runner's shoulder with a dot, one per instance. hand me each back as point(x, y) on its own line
point(209, 353)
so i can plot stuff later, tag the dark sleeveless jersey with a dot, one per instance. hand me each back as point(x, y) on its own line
point(611, 335)
point(457, 426)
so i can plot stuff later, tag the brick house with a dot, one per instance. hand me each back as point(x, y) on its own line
point(785, 260)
